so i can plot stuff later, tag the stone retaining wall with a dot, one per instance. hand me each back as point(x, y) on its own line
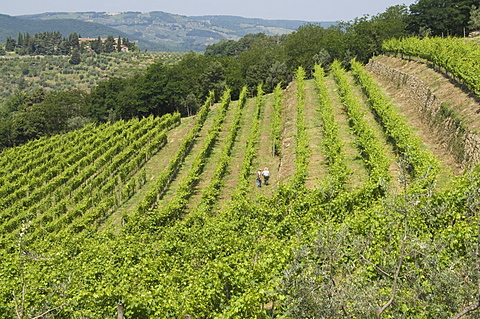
point(462, 144)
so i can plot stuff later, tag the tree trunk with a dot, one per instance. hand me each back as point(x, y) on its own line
point(120, 311)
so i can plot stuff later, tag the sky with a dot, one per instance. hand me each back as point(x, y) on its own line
point(307, 10)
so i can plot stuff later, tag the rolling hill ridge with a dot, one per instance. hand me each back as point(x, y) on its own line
point(12, 26)
point(174, 32)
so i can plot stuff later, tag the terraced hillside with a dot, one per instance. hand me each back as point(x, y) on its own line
point(161, 217)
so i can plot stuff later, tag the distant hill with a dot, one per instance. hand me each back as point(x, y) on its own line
point(12, 26)
point(176, 32)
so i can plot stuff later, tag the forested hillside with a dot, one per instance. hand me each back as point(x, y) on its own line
point(173, 32)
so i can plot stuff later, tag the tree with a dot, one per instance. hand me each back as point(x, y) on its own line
point(224, 48)
point(474, 22)
point(15, 102)
point(366, 35)
point(97, 45)
point(119, 44)
point(130, 45)
point(41, 113)
point(104, 97)
point(59, 106)
point(323, 58)
point(302, 45)
point(277, 73)
point(75, 59)
point(20, 40)
point(73, 41)
point(442, 17)
point(10, 45)
point(212, 79)
point(109, 45)
point(256, 63)
point(6, 138)
point(233, 76)
point(28, 125)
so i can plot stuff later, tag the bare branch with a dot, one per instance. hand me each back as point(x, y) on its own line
point(467, 310)
point(395, 280)
point(50, 310)
point(17, 311)
point(376, 266)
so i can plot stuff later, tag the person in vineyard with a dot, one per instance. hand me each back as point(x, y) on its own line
point(266, 175)
point(259, 178)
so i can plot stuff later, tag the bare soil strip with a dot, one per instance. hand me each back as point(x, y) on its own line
point(317, 164)
point(265, 156)
point(231, 179)
point(369, 117)
point(352, 156)
point(283, 166)
point(286, 164)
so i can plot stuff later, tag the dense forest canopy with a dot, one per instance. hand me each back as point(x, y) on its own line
point(440, 17)
point(254, 59)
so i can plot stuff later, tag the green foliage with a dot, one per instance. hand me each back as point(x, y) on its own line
point(330, 252)
point(301, 148)
point(100, 170)
point(56, 73)
point(277, 118)
point(448, 18)
point(421, 164)
point(371, 149)
point(212, 191)
point(332, 145)
point(299, 253)
point(309, 40)
point(474, 22)
point(44, 43)
point(312, 44)
point(162, 180)
point(10, 44)
point(75, 59)
point(454, 55)
point(244, 178)
point(41, 114)
point(161, 89)
point(367, 34)
point(177, 206)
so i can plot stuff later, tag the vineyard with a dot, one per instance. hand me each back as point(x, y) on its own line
point(160, 217)
point(454, 55)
